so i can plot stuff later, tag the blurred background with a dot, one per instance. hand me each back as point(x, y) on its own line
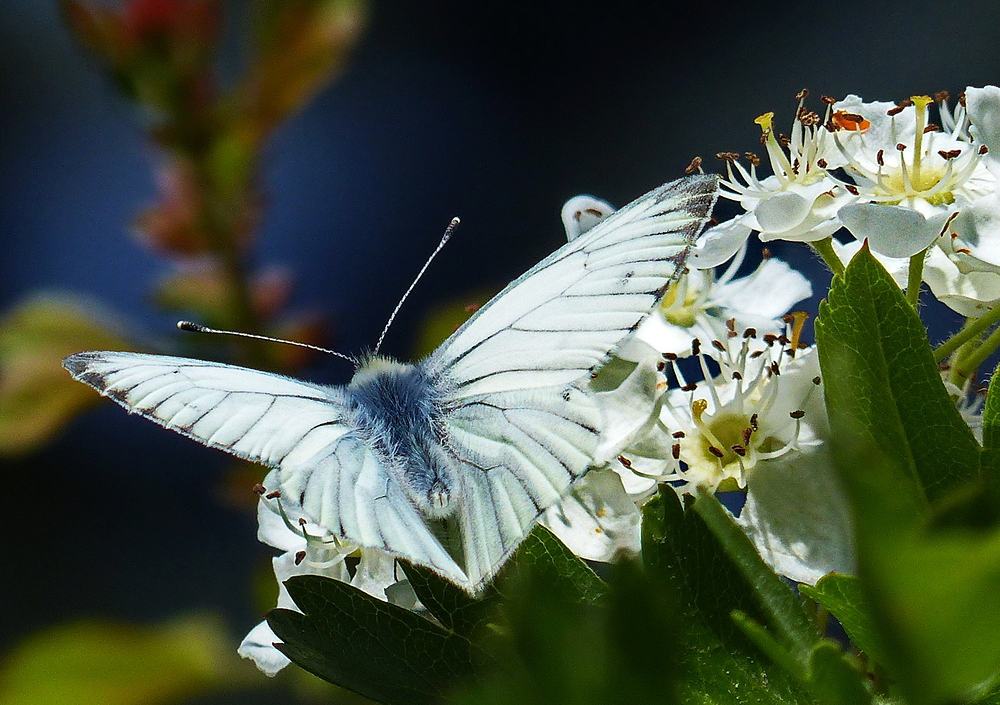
point(496, 113)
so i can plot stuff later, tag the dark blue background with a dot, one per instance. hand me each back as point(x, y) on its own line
point(496, 113)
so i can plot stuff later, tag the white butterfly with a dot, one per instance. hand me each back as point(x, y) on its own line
point(449, 462)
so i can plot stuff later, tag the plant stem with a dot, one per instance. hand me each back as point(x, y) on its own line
point(972, 330)
point(824, 248)
point(969, 358)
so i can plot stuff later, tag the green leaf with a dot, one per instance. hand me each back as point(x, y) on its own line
point(93, 663)
point(989, 696)
point(773, 596)
point(681, 553)
point(844, 597)
point(549, 560)
point(929, 577)
point(834, 679)
point(453, 607)
point(991, 415)
point(795, 644)
point(884, 391)
point(554, 647)
point(374, 648)
point(938, 603)
point(829, 673)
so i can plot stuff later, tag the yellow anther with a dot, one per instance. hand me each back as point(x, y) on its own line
point(765, 121)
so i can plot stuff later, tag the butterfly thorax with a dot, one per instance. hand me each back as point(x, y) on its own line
point(398, 409)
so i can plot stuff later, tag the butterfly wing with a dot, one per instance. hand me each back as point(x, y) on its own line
point(328, 473)
point(518, 417)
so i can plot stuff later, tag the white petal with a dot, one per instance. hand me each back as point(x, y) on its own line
point(786, 210)
point(884, 130)
point(769, 292)
point(626, 409)
point(984, 113)
point(894, 231)
point(978, 228)
point(969, 293)
point(718, 244)
point(581, 213)
point(782, 211)
point(258, 645)
point(658, 334)
point(797, 517)
point(597, 519)
point(272, 529)
point(376, 571)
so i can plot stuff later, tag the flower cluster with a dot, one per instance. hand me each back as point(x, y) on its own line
point(888, 175)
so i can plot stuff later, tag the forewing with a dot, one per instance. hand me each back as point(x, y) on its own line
point(255, 415)
point(327, 473)
point(518, 417)
point(561, 319)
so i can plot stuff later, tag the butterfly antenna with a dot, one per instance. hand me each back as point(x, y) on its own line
point(444, 239)
point(198, 328)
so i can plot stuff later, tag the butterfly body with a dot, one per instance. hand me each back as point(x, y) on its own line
point(399, 410)
point(481, 437)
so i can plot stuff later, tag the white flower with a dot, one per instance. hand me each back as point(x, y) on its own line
point(910, 176)
point(798, 202)
point(984, 112)
point(761, 424)
point(975, 232)
point(974, 236)
point(700, 306)
point(581, 213)
point(758, 408)
point(309, 549)
point(600, 517)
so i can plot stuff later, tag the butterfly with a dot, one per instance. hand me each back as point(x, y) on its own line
point(448, 462)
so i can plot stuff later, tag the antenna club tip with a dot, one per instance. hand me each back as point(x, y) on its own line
point(189, 326)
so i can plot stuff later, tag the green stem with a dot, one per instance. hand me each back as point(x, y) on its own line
point(966, 361)
point(824, 248)
point(915, 277)
point(972, 331)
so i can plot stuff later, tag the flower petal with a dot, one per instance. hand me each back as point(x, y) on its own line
point(782, 211)
point(597, 519)
point(797, 517)
point(769, 292)
point(628, 408)
point(894, 231)
point(978, 228)
point(984, 114)
point(581, 213)
point(258, 646)
point(969, 293)
point(718, 244)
